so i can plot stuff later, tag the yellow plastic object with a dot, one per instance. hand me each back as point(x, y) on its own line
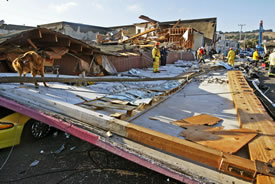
point(12, 136)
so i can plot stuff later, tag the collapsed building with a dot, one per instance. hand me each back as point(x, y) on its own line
point(123, 47)
point(63, 54)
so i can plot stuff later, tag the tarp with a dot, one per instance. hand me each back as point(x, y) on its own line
point(109, 67)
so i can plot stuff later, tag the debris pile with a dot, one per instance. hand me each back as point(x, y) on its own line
point(62, 54)
point(175, 37)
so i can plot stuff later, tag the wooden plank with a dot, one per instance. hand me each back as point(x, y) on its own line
point(210, 157)
point(147, 19)
point(177, 23)
point(252, 115)
point(229, 141)
point(110, 105)
point(202, 119)
point(115, 101)
point(32, 44)
point(87, 79)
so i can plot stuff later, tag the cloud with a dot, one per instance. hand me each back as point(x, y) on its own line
point(134, 8)
point(61, 8)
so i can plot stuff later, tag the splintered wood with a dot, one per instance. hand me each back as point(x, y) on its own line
point(252, 115)
point(229, 141)
point(203, 119)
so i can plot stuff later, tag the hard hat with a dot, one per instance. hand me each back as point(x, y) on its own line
point(157, 43)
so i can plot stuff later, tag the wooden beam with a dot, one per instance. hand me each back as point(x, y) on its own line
point(175, 25)
point(87, 79)
point(252, 115)
point(40, 33)
point(56, 38)
point(147, 19)
point(231, 164)
point(32, 44)
point(140, 34)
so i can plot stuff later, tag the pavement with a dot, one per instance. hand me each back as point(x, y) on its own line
point(46, 161)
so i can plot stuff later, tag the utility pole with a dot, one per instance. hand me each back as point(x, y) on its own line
point(241, 30)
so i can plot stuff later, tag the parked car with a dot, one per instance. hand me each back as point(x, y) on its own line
point(16, 127)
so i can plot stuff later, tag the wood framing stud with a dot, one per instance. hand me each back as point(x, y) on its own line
point(56, 38)
point(40, 33)
point(32, 44)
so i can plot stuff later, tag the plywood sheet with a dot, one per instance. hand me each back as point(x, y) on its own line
point(229, 141)
point(202, 119)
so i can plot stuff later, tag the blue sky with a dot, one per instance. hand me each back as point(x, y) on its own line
point(122, 12)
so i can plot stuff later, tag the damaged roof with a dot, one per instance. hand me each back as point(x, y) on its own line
point(75, 26)
point(14, 27)
point(41, 37)
point(207, 26)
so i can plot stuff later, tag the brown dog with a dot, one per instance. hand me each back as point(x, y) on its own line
point(29, 62)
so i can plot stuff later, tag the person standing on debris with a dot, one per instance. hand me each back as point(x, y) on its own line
point(163, 54)
point(255, 57)
point(156, 57)
point(271, 71)
point(202, 53)
point(198, 54)
point(231, 57)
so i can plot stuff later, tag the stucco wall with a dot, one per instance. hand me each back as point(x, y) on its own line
point(77, 34)
point(198, 40)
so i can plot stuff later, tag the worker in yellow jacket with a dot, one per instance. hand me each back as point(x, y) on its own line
point(256, 57)
point(271, 71)
point(156, 57)
point(231, 57)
